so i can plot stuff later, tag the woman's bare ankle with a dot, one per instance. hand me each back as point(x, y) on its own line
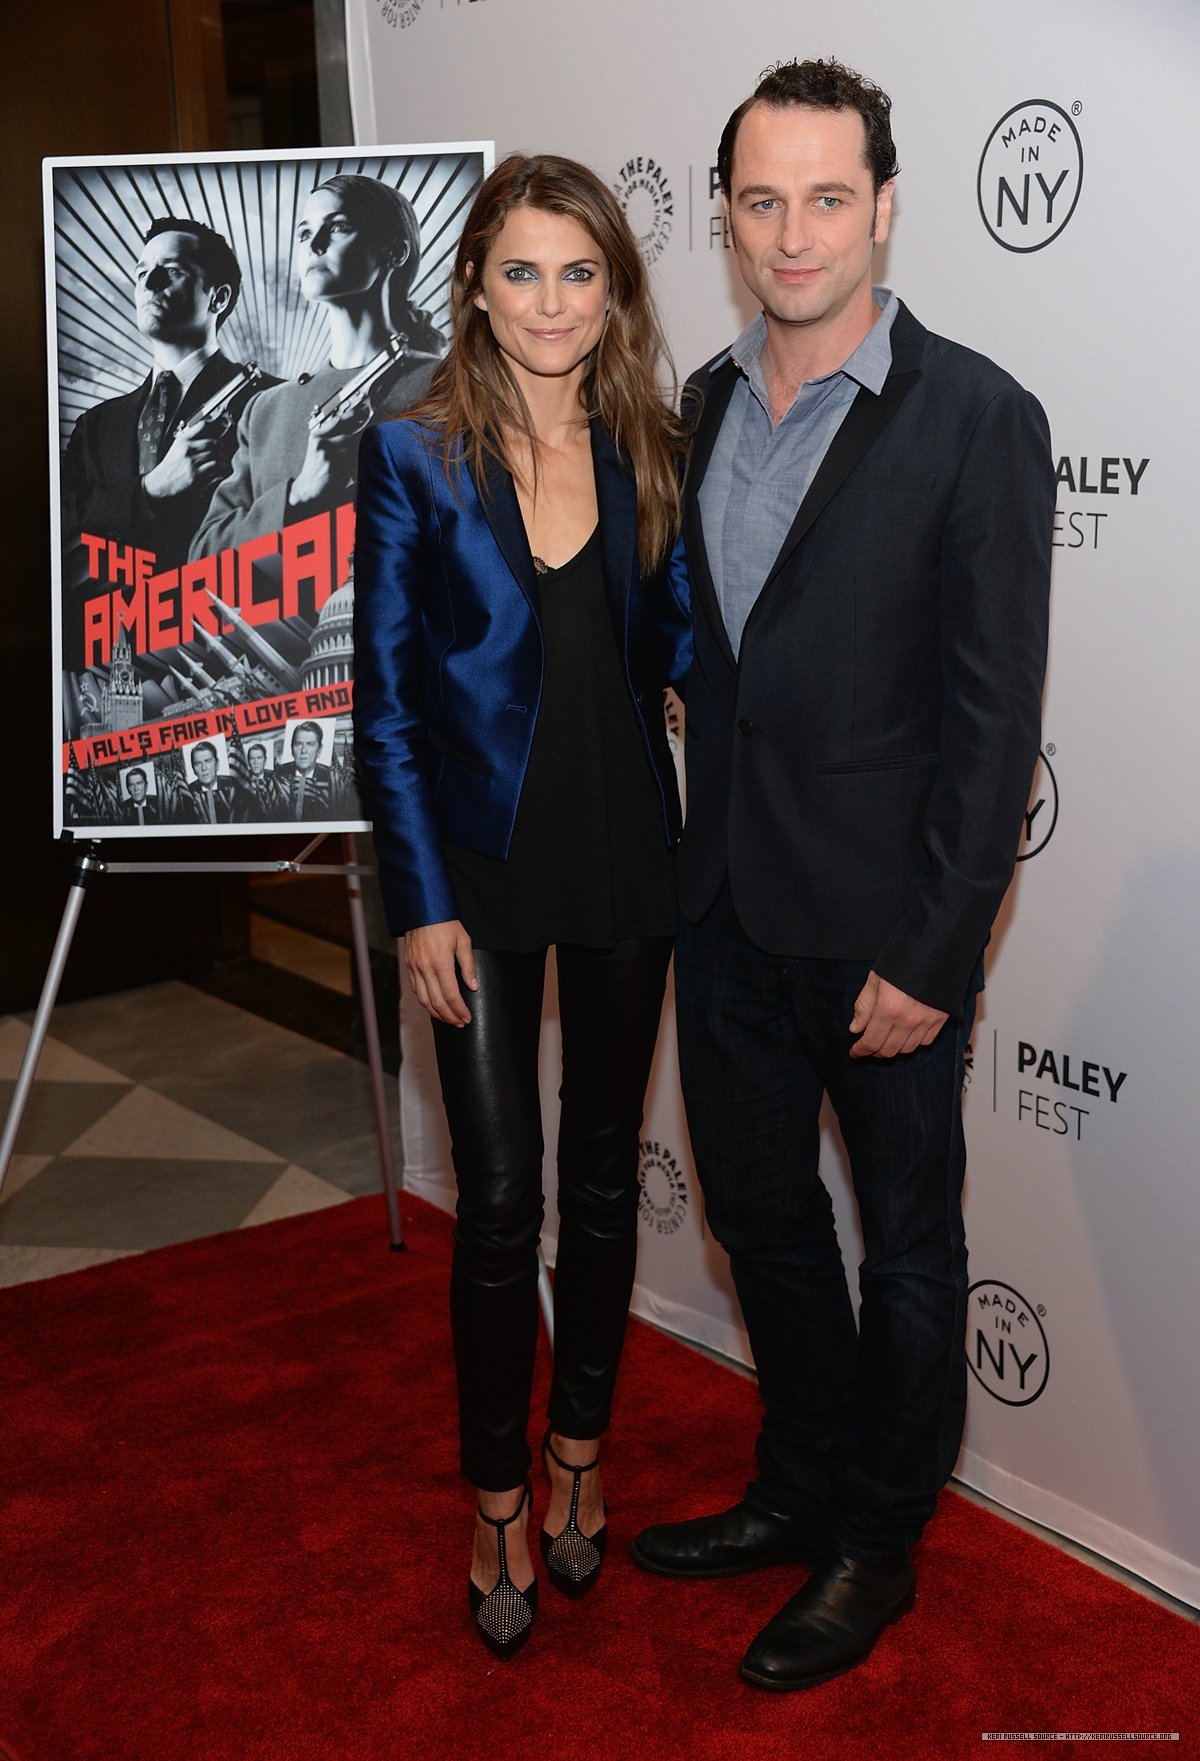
point(576, 1452)
point(485, 1558)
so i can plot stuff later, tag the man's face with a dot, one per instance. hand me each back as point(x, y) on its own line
point(173, 305)
point(137, 789)
point(804, 214)
point(305, 747)
point(258, 761)
point(205, 766)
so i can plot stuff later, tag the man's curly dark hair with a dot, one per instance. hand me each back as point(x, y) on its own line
point(218, 265)
point(825, 85)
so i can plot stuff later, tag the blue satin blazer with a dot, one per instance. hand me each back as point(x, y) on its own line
point(448, 655)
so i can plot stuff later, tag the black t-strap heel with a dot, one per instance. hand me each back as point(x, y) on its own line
point(505, 1615)
point(573, 1559)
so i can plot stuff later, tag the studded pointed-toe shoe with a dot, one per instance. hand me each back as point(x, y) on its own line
point(573, 1559)
point(504, 1616)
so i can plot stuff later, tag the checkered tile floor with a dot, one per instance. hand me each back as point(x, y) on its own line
point(163, 1114)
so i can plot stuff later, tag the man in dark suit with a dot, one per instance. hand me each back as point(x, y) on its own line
point(137, 470)
point(259, 786)
point(868, 519)
point(138, 808)
point(304, 787)
point(212, 799)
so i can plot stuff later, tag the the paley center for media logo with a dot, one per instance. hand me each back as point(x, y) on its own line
point(644, 191)
point(399, 13)
point(663, 1201)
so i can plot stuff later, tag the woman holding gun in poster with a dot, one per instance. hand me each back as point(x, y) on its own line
point(520, 606)
point(357, 252)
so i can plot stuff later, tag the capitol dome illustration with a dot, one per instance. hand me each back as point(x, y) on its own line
point(330, 659)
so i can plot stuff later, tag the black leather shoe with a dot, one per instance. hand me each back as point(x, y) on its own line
point(738, 1540)
point(832, 1623)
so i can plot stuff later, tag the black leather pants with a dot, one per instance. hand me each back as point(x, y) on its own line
point(609, 1000)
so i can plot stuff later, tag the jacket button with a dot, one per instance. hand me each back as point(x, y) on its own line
point(746, 726)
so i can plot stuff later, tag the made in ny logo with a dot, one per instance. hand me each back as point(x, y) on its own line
point(1041, 816)
point(663, 1202)
point(1007, 1348)
point(1030, 175)
point(646, 198)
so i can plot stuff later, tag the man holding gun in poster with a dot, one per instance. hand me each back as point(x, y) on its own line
point(141, 469)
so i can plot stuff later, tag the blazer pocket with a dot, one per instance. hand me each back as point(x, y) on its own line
point(449, 751)
point(870, 764)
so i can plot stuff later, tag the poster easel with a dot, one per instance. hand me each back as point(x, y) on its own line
point(89, 863)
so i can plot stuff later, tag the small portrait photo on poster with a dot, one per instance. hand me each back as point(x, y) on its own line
point(139, 789)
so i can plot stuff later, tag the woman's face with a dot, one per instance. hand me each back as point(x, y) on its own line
point(334, 257)
point(544, 288)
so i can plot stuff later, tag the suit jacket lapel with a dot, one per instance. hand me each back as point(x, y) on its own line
point(707, 428)
point(616, 500)
point(211, 377)
point(866, 418)
point(498, 499)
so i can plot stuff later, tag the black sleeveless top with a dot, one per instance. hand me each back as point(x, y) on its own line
point(589, 861)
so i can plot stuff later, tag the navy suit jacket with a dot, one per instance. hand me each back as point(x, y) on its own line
point(860, 770)
point(448, 655)
point(101, 486)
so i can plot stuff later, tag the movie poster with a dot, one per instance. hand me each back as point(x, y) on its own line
point(221, 330)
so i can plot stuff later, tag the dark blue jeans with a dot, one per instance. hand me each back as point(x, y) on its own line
point(859, 1425)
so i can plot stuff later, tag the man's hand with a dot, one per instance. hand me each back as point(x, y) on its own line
point(891, 1022)
point(431, 953)
point(193, 458)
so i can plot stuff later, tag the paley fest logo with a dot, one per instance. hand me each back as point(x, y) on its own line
point(1030, 175)
point(1049, 1079)
point(644, 192)
point(663, 1202)
point(1056, 1089)
point(1080, 523)
point(1007, 1348)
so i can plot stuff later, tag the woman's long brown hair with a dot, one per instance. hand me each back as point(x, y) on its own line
point(473, 394)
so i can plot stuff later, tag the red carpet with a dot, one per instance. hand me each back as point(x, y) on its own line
point(233, 1531)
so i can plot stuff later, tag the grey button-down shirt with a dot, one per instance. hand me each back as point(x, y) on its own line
point(758, 474)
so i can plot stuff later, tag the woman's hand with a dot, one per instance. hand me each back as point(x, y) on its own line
point(327, 470)
point(431, 954)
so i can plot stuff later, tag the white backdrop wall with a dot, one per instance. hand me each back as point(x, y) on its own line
point(1083, 1202)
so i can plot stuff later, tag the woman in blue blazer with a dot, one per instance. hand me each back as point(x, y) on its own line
point(520, 605)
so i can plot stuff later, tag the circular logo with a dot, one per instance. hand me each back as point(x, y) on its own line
point(1007, 1348)
point(1041, 816)
point(645, 195)
point(1030, 175)
point(663, 1203)
point(399, 13)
